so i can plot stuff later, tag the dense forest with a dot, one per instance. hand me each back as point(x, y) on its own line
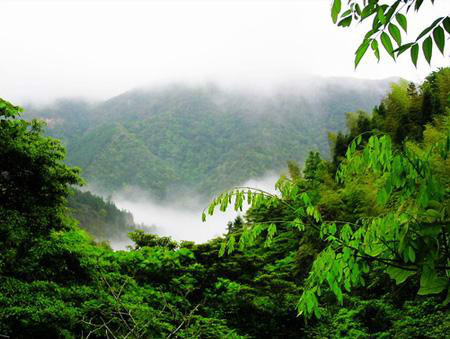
point(356, 246)
point(102, 219)
point(201, 139)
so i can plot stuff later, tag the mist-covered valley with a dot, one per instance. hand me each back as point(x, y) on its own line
point(162, 153)
point(180, 217)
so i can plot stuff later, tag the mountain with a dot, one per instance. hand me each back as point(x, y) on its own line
point(102, 219)
point(203, 139)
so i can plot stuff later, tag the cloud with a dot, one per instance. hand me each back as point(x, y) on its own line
point(181, 218)
point(98, 49)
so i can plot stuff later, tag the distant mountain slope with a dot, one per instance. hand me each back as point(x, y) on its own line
point(205, 138)
point(102, 219)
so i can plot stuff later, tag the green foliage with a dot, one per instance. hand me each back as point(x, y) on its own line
point(142, 239)
point(406, 232)
point(198, 139)
point(387, 17)
point(55, 282)
point(381, 318)
point(33, 188)
point(368, 229)
point(102, 219)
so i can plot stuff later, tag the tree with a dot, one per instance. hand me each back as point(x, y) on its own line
point(409, 236)
point(34, 184)
point(236, 225)
point(142, 239)
point(400, 186)
point(389, 18)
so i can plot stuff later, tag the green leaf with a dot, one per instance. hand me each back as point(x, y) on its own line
point(433, 213)
point(376, 249)
point(345, 22)
point(382, 196)
point(272, 230)
point(381, 16)
point(359, 138)
point(346, 13)
point(223, 247)
point(398, 274)
point(427, 48)
point(366, 12)
point(431, 283)
point(203, 217)
point(439, 38)
point(387, 43)
point(335, 9)
point(418, 4)
point(414, 54)
point(428, 29)
point(430, 231)
point(395, 33)
point(446, 24)
point(392, 10)
point(401, 19)
point(361, 51)
point(309, 302)
point(411, 254)
point(231, 243)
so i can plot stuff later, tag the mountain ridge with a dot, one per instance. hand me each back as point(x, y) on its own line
point(205, 138)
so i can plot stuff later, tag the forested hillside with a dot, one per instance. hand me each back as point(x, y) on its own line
point(102, 219)
point(202, 139)
point(352, 247)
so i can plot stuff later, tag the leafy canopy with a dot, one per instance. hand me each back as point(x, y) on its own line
point(398, 219)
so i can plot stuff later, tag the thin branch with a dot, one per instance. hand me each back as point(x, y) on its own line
point(187, 320)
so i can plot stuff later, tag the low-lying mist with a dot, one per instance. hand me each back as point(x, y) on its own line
point(180, 217)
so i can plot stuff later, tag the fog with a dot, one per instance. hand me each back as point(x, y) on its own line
point(98, 49)
point(181, 217)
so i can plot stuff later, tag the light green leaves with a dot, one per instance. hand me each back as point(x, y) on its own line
point(431, 283)
point(335, 9)
point(411, 254)
point(398, 274)
point(380, 15)
point(387, 43)
point(9, 111)
point(395, 33)
point(362, 50)
point(309, 304)
point(402, 240)
point(271, 231)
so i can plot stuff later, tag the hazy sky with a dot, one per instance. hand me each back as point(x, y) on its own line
point(100, 49)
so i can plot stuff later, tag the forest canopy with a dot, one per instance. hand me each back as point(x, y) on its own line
point(359, 240)
point(381, 205)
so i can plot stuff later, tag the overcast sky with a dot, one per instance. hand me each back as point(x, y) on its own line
point(100, 49)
